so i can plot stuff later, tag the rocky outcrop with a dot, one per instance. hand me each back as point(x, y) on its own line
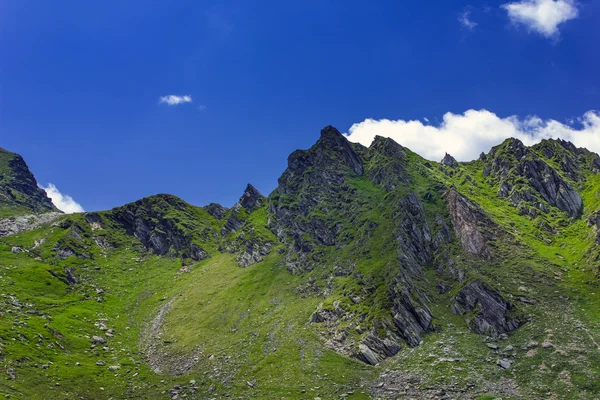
point(216, 210)
point(449, 161)
point(251, 199)
point(387, 163)
point(571, 160)
point(252, 251)
point(148, 221)
point(411, 317)
point(594, 222)
point(68, 276)
point(493, 314)
point(234, 222)
point(13, 225)
point(470, 222)
point(524, 177)
point(325, 165)
point(372, 350)
point(313, 186)
point(18, 187)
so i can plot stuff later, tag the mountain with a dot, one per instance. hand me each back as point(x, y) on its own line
point(19, 192)
point(367, 273)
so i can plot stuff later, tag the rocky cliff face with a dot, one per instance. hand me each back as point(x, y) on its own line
point(471, 224)
point(19, 189)
point(152, 222)
point(492, 313)
point(529, 182)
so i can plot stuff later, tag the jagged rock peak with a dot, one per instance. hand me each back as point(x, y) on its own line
point(567, 145)
point(512, 145)
point(449, 161)
point(216, 210)
point(18, 186)
point(251, 198)
point(330, 132)
point(387, 146)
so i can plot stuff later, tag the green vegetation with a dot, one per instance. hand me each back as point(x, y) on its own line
point(180, 324)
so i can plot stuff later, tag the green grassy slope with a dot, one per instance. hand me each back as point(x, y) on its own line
point(209, 328)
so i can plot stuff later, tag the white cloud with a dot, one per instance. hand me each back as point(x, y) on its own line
point(466, 21)
point(63, 202)
point(173, 99)
point(542, 16)
point(202, 107)
point(466, 135)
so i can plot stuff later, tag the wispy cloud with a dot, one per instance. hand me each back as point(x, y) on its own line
point(202, 107)
point(468, 134)
point(465, 20)
point(173, 99)
point(63, 202)
point(542, 16)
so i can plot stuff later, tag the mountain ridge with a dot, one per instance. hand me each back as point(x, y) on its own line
point(369, 259)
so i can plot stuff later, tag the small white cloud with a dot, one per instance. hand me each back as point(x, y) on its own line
point(63, 202)
point(466, 135)
point(426, 119)
point(173, 99)
point(542, 16)
point(466, 21)
point(202, 107)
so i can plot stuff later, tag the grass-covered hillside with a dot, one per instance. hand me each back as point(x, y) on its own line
point(368, 273)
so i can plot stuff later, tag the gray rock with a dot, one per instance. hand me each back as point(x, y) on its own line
point(216, 210)
point(411, 320)
point(98, 340)
point(367, 355)
point(493, 312)
point(148, 221)
point(393, 172)
point(449, 161)
point(469, 221)
point(373, 350)
point(12, 226)
point(512, 163)
point(251, 198)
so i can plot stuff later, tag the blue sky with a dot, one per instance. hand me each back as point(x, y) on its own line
point(81, 84)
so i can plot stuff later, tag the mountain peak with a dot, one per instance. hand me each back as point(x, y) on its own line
point(449, 161)
point(330, 132)
point(513, 146)
point(251, 198)
point(19, 190)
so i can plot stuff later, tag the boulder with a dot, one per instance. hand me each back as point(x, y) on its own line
point(494, 315)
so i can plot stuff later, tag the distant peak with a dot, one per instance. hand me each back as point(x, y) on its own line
point(251, 198)
point(449, 161)
point(331, 137)
point(330, 131)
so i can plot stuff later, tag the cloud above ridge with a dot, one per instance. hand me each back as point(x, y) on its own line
point(466, 135)
point(63, 202)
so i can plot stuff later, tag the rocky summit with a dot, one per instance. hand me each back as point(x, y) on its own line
point(368, 273)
